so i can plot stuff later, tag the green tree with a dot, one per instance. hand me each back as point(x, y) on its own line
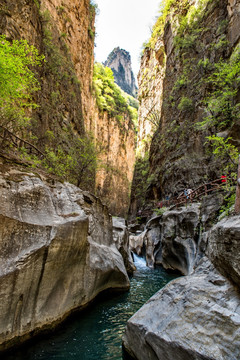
point(225, 152)
point(109, 96)
point(222, 104)
point(18, 82)
point(77, 163)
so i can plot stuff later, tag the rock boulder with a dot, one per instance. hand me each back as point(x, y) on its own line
point(193, 317)
point(179, 238)
point(223, 247)
point(56, 253)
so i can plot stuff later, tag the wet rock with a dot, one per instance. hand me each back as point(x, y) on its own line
point(121, 239)
point(223, 247)
point(152, 241)
point(193, 317)
point(56, 254)
point(171, 240)
point(136, 243)
point(179, 238)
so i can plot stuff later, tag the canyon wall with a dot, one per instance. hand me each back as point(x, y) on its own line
point(150, 80)
point(196, 316)
point(61, 31)
point(64, 32)
point(117, 158)
point(188, 52)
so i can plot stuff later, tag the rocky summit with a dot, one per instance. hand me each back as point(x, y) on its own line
point(119, 60)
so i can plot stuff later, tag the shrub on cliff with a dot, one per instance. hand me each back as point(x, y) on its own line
point(109, 96)
point(17, 80)
point(222, 103)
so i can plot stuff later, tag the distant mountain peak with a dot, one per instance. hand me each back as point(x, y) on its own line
point(119, 60)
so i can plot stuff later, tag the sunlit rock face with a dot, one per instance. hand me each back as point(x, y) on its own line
point(61, 30)
point(56, 253)
point(117, 158)
point(194, 317)
point(150, 82)
point(73, 21)
point(119, 61)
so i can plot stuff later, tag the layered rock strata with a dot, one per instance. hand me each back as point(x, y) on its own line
point(150, 80)
point(64, 32)
point(57, 253)
point(61, 31)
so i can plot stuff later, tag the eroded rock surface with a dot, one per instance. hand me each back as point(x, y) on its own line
point(179, 237)
point(171, 240)
point(193, 317)
point(223, 247)
point(121, 239)
point(56, 253)
point(136, 242)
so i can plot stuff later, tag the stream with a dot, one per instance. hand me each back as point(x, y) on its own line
point(95, 333)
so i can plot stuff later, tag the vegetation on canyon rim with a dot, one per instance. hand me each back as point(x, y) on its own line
point(206, 83)
point(18, 81)
point(110, 97)
point(19, 84)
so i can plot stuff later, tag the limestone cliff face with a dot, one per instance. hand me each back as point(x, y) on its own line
point(193, 317)
point(63, 31)
point(114, 176)
point(74, 22)
point(150, 80)
point(119, 61)
point(56, 253)
point(178, 157)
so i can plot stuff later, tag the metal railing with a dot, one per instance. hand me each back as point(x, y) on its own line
point(188, 196)
point(12, 140)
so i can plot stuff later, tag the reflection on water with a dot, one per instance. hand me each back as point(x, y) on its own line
point(95, 334)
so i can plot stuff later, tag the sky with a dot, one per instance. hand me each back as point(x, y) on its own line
point(124, 23)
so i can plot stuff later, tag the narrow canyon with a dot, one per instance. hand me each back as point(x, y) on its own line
point(108, 184)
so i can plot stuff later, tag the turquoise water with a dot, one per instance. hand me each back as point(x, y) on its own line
point(95, 333)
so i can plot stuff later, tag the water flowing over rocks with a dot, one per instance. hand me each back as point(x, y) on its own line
point(56, 253)
point(194, 317)
point(180, 235)
point(171, 240)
